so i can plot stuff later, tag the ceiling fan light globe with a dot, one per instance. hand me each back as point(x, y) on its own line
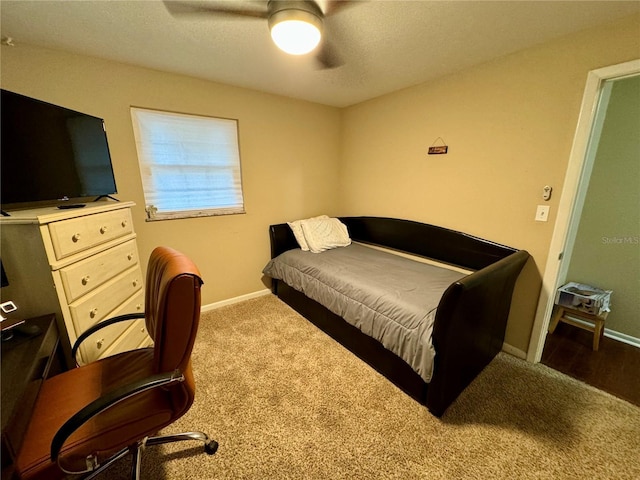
point(295, 32)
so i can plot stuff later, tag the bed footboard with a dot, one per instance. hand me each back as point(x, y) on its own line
point(469, 328)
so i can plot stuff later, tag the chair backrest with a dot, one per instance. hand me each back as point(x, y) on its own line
point(172, 308)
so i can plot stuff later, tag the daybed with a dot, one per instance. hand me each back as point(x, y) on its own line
point(468, 317)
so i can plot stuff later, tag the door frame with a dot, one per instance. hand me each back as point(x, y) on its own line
point(572, 197)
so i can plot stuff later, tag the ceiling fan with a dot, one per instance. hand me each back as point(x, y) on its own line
point(296, 26)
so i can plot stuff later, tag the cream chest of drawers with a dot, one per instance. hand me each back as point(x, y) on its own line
point(82, 265)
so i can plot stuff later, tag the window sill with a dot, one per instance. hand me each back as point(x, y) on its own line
point(194, 214)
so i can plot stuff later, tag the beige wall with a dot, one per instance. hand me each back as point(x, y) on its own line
point(289, 152)
point(509, 125)
point(607, 248)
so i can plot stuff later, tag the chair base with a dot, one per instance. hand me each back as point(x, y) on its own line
point(210, 447)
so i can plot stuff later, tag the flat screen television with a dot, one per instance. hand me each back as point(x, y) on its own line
point(51, 154)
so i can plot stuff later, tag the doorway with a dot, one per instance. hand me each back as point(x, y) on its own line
point(581, 164)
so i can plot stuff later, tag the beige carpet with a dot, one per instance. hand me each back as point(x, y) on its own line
point(287, 402)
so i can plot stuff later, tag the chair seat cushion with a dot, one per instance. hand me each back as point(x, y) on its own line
point(64, 395)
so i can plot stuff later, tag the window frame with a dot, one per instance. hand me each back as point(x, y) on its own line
point(152, 213)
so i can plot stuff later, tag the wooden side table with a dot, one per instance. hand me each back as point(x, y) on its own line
point(592, 323)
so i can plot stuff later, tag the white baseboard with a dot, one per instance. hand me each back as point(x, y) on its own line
point(622, 337)
point(516, 352)
point(231, 301)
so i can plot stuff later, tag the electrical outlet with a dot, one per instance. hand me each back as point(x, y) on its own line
point(542, 213)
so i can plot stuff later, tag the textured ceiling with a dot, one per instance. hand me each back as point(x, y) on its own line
point(386, 45)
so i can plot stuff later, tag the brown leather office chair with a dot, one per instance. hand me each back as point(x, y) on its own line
point(88, 417)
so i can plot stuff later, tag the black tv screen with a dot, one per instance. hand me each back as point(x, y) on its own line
point(51, 153)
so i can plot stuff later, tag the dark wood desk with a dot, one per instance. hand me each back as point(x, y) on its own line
point(26, 362)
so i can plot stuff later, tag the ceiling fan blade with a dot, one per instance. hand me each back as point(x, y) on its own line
point(328, 57)
point(182, 8)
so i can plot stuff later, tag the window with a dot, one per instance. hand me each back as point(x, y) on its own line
point(190, 164)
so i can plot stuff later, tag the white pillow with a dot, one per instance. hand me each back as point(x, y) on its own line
point(324, 234)
point(296, 228)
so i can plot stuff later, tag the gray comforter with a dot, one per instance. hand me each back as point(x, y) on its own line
point(388, 297)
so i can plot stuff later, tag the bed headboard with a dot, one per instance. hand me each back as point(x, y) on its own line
point(443, 244)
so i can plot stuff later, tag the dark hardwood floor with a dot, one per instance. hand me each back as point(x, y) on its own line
point(614, 368)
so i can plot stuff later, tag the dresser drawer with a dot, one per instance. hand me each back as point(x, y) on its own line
point(77, 234)
point(97, 304)
point(132, 338)
point(100, 343)
point(82, 277)
point(134, 305)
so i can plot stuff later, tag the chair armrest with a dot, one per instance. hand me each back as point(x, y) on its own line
point(105, 402)
point(100, 325)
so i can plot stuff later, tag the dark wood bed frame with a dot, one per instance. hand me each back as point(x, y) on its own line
point(470, 320)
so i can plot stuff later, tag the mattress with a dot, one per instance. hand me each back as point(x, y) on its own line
point(386, 296)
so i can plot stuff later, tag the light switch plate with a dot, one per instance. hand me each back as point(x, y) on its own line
point(542, 213)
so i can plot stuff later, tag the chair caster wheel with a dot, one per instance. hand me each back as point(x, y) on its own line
point(211, 447)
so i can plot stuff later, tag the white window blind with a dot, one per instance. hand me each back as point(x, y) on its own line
point(190, 165)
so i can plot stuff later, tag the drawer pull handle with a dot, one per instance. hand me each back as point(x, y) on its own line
point(135, 283)
point(124, 224)
point(99, 343)
point(103, 230)
point(139, 306)
point(130, 256)
point(93, 312)
point(75, 237)
point(85, 280)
